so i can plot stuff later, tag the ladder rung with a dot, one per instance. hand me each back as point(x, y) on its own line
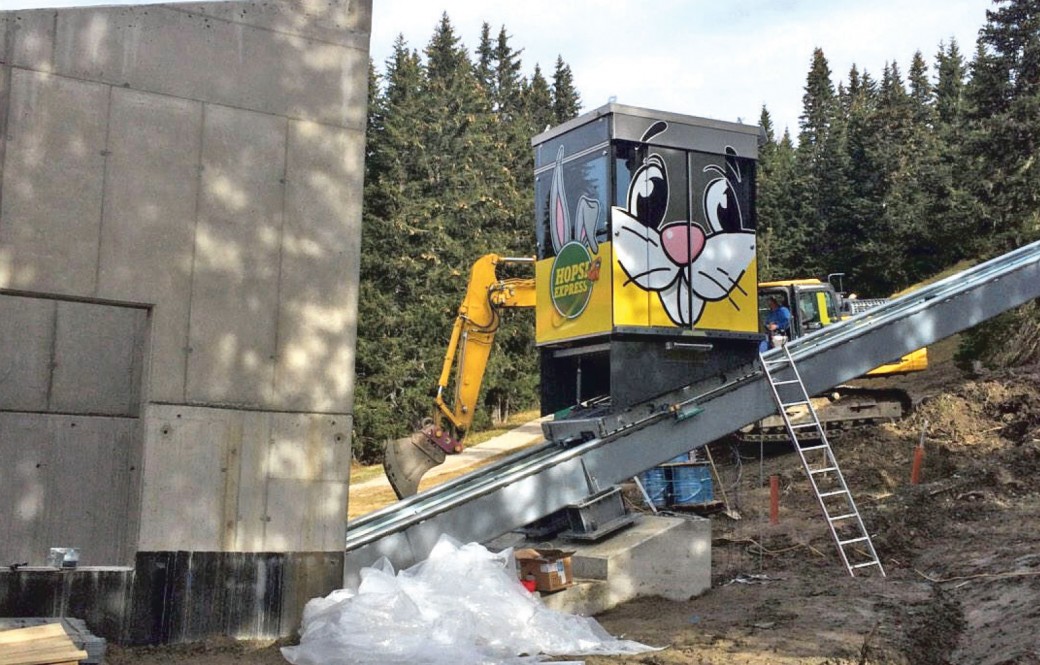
point(825, 470)
point(786, 382)
point(802, 425)
point(843, 543)
point(842, 517)
point(800, 402)
point(864, 565)
point(824, 495)
point(811, 448)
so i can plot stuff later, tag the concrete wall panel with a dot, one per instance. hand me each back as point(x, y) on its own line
point(310, 447)
point(26, 345)
point(64, 483)
point(205, 160)
point(52, 182)
point(183, 479)
point(27, 39)
point(244, 481)
point(149, 221)
point(237, 246)
point(274, 72)
point(88, 504)
point(98, 354)
point(343, 22)
point(321, 255)
point(306, 515)
point(250, 461)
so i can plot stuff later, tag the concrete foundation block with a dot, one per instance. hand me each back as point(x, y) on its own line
point(657, 556)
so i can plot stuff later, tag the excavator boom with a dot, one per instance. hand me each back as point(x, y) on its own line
point(472, 336)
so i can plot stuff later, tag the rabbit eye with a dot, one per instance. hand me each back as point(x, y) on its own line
point(720, 207)
point(648, 193)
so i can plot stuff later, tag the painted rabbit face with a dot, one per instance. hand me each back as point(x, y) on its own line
point(677, 258)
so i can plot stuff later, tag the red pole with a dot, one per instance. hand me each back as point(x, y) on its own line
point(774, 499)
point(915, 470)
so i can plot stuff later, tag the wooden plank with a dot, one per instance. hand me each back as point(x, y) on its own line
point(38, 645)
point(45, 657)
point(32, 633)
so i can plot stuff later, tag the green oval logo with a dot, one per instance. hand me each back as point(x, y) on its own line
point(570, 283)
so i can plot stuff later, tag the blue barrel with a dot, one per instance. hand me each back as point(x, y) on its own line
point(691, 485)
point(655, 482)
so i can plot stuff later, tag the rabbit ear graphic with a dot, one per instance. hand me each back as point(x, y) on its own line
point(585, 217)
point(559, 220)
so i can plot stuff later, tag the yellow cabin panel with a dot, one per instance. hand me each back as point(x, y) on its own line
point(573, 294)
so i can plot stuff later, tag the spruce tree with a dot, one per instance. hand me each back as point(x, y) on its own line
point(818, 185)
point(1001, 144)
point(949, 89)
point(775, 166)
point(566, 101)
point(1004, 123)
point(538, 103)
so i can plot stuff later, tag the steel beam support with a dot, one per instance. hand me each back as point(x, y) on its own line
point(535, 483)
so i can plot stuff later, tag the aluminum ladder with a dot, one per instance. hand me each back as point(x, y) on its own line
point(828, 484)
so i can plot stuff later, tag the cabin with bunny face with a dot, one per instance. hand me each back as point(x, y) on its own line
point(646, 273)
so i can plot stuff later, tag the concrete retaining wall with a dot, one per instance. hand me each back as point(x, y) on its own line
point(180, 209)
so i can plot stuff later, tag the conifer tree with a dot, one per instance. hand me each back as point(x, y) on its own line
point(817, 184)
point(566, 101)
point(1001, 144)
point(774, 199)
point(538, 103)
point(1004, 116)
point(949, 88)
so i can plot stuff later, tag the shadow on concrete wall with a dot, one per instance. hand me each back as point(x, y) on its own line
point(205, 160)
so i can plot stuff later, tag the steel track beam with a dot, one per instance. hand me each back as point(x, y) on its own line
point(535, 483)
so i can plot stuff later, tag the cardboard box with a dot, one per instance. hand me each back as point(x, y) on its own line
point(550, 569)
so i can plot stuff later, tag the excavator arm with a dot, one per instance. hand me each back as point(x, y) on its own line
point(406, 460)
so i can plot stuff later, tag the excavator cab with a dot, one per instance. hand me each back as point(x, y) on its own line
point(813, 304)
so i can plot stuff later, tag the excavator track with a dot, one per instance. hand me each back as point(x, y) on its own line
point(841, 410)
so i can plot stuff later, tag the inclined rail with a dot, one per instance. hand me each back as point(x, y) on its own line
point(586, 454)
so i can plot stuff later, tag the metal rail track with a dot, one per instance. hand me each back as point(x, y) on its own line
point(589, 453)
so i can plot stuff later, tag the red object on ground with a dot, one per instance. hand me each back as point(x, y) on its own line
point(774, 499)
point(528, 584)
point(915, 470)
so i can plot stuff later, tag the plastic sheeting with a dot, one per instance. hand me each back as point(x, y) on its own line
point(462, 605)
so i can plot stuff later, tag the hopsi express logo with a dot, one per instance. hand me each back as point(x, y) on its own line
point(573, 273)
point(574, 270)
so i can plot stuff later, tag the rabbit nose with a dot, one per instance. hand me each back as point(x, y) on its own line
point(682, 242)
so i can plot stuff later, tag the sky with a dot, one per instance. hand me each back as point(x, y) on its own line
point(720, 59)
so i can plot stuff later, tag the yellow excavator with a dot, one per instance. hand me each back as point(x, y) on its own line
point(813, 304)
point(406, 460)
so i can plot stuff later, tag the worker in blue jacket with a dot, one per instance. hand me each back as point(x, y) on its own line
point(778, 322)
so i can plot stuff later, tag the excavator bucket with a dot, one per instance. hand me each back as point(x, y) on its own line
point(406, 460)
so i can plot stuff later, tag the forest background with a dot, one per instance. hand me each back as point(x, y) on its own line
point(892, 178)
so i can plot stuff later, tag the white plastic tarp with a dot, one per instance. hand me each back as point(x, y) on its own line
point(462, 605)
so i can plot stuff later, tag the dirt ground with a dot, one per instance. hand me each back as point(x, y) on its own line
point(961, 549)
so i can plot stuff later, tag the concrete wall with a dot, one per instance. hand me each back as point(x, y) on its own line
point(180, 196)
